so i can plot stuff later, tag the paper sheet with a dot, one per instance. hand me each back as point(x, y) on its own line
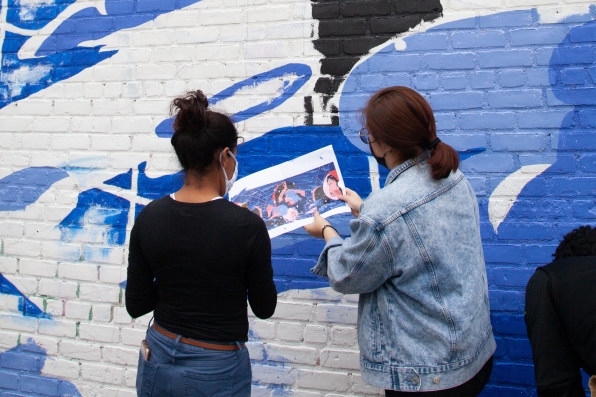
point(285, 196)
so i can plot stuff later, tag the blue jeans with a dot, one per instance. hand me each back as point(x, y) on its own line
point(178, 369)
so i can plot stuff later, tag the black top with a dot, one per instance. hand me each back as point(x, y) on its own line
point(195, 266)
point(561, 322)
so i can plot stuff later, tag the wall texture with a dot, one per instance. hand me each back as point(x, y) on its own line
point(85, 88)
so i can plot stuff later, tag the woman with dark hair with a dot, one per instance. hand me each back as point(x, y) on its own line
point(194, 260)
point(415, 257)
point(560, 316)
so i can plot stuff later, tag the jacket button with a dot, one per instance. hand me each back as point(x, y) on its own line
point(436, 380)
point(415, 380)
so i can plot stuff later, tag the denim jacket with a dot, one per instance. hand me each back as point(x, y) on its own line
point(415, 257)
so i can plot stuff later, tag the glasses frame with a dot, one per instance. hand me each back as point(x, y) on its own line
point(365, 136)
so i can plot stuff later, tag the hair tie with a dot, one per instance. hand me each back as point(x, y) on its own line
point(434, 143)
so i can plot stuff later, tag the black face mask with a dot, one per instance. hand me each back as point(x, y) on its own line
point(380, 160)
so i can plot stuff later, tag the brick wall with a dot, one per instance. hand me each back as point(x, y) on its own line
point(84, 101)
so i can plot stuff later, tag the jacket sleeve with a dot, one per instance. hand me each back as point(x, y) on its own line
point(358, 264)
point(141, 289)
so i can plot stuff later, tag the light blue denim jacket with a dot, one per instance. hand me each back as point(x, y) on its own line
point(415, 257)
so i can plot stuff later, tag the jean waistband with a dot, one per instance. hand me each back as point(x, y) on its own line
point(193, 342)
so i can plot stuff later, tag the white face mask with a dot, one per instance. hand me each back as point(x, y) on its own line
point(230, 182)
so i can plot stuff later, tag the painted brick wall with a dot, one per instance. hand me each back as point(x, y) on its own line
point(84, 145)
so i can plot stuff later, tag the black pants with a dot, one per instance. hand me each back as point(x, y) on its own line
point(471, 388)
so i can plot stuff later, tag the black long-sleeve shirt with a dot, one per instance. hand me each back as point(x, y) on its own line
point(561, 323)
point(195, 266)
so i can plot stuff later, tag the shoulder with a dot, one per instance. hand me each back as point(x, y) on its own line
point(242, 215)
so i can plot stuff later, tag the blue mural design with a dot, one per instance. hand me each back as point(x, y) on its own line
point(542, 209)
point(293, 76)
point(21, 374)
point(25, 306)
point(23, 187)
point(60, 55)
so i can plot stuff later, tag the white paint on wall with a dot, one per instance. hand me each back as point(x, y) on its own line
point(505, 194)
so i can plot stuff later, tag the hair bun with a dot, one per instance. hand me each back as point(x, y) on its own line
point(191, 112)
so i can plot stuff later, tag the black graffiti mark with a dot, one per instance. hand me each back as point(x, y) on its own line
point(348, 29)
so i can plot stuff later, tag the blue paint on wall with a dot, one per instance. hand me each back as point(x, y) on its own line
point(293, 76)
point(25, 306)
point(61, 56)
point(23, 187)
point(123, 180)
point(100, 214)
point(21, 374)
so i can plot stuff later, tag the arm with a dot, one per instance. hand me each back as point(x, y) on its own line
point(556, 367)
point(358, 264)
point(262, 294)
point(141, 289)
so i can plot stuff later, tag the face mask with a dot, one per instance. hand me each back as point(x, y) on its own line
point(229, 183)
point(380, 160)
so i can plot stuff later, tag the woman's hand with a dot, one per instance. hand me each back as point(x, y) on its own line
point(315, 228)
point(353, 201)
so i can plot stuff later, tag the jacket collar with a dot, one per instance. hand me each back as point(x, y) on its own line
point(399, 169)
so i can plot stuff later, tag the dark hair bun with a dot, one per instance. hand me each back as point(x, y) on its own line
point(192, 112)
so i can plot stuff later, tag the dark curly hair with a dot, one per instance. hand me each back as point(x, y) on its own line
point(578, 242)
point(200, 132)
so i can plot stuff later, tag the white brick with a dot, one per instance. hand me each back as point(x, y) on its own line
point(113, 142)
point(54, 307)
point(82, 350)
point(12, 229)
point(77, 271)
point(58, 288)
point(112, 274)
point(102, 313)
point(69, 141)
point(99, 293)
point(120, 355)
point(61, 251)
point(52, 124)
point(291, 332)
point(132, 337)
point(278, 375)
point(61, 368)
point(292, 354)
point(17, 323)
point(342, 314)
point(99, 333)
point(80, 107)
point(102, 373)
point(316, 334)
point(22, 247)
point(333, 381)
point(77, 310)
point(293, 311)
point(341, 359)
point(8, 265)
point(8, 339)
point(344, 336)
point(262, 329)
point(61, 329)
point(36, 141)
point(30, 267)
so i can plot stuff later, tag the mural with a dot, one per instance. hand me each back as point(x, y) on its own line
point(513, 94)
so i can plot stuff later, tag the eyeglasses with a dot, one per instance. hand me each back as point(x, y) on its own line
point(239, 140)
point(365, 136)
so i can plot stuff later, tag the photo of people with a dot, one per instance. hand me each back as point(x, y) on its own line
point(285, 196)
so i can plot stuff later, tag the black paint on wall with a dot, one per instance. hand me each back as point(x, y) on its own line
point(348, 29)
